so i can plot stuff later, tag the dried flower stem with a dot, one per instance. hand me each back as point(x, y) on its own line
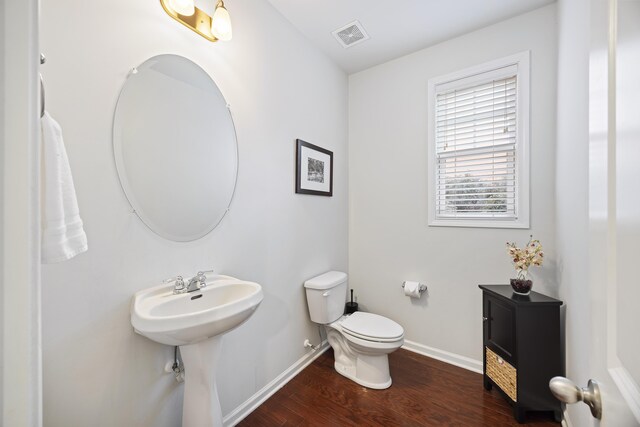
point(523, 258)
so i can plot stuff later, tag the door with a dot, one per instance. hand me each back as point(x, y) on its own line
point(623, 362)
point(614, 213)
point(499, 327)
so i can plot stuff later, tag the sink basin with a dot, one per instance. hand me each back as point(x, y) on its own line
point(224, 304)
point(196, 321)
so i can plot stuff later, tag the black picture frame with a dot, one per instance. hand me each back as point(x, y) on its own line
point(311, 173)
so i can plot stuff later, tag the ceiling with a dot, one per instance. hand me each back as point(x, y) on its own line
point(396, 27)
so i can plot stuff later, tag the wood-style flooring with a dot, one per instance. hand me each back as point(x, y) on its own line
point(425, 392)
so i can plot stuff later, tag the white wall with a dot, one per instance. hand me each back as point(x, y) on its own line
point(389, 240)
point(572, 189)
point(2, 179)
point(96, 370)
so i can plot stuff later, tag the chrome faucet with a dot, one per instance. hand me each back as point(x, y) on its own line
point(197, 282)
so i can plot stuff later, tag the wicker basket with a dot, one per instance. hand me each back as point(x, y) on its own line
point(502, 373)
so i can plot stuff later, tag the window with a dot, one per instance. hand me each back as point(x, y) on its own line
point(479, 146)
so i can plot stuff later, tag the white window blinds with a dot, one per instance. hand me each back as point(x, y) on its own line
point(475, 146)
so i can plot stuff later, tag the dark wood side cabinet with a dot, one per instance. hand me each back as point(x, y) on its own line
point(522, 348)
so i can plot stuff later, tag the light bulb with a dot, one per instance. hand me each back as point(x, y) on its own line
point(221, 23)
point(183, 7)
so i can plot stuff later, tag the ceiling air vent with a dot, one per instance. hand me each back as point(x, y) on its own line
point(351, 34)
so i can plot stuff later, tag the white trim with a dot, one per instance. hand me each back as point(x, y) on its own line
point(476, 223)
point(20, 332)
point(482, 68)
point(522, 60)
point(566, 421)
point(628, 388)
point(444, 356)
point(477, 75)
point(242, 411)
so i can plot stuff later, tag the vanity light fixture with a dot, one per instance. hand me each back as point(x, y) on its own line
point(212, 29)
point(183, 7)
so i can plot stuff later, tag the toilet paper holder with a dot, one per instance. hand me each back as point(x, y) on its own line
point(422, 288)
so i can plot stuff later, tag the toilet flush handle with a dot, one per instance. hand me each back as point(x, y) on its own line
point(326, 294)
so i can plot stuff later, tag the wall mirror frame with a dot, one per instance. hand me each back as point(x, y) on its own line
point(175, 148)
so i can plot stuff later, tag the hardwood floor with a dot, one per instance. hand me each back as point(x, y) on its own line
point(425, 392)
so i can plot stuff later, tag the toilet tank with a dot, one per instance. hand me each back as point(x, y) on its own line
point(326, 295)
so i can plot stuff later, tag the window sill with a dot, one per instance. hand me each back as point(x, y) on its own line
point(480, 223)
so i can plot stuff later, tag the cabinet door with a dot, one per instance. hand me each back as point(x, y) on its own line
point(499, 328)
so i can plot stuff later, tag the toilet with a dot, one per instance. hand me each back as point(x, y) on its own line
point(360, 341)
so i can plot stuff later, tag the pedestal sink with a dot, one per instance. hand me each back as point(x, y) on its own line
point(196, 321)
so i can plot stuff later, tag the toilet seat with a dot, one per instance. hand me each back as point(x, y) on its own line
point(372, 327)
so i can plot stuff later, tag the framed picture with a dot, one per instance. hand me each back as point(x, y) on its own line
point(314, 169)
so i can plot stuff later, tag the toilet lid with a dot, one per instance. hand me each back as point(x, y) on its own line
point(372, 326)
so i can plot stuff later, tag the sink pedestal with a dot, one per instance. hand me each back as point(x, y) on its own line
point(201, 407)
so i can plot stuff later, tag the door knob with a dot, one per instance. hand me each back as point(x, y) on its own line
point(566, 391)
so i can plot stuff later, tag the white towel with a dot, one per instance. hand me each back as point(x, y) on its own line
point(62, 234)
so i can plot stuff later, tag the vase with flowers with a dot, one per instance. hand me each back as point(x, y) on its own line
point(523, 258)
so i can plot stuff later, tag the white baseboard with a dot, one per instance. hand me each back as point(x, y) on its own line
point(268, 390)
point(628, 387)
point(444, 356)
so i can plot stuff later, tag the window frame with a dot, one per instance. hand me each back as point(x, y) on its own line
point(522, 61)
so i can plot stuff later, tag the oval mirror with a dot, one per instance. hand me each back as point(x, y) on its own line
point(175, 147)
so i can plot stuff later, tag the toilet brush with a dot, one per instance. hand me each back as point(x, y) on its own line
point(351, 307)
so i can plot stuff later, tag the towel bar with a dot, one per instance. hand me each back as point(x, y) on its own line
point(42, 61)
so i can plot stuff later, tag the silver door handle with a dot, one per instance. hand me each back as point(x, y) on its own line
point(566, 391)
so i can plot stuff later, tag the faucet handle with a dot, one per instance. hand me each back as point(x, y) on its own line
point(201, 276)
point(178, 287)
